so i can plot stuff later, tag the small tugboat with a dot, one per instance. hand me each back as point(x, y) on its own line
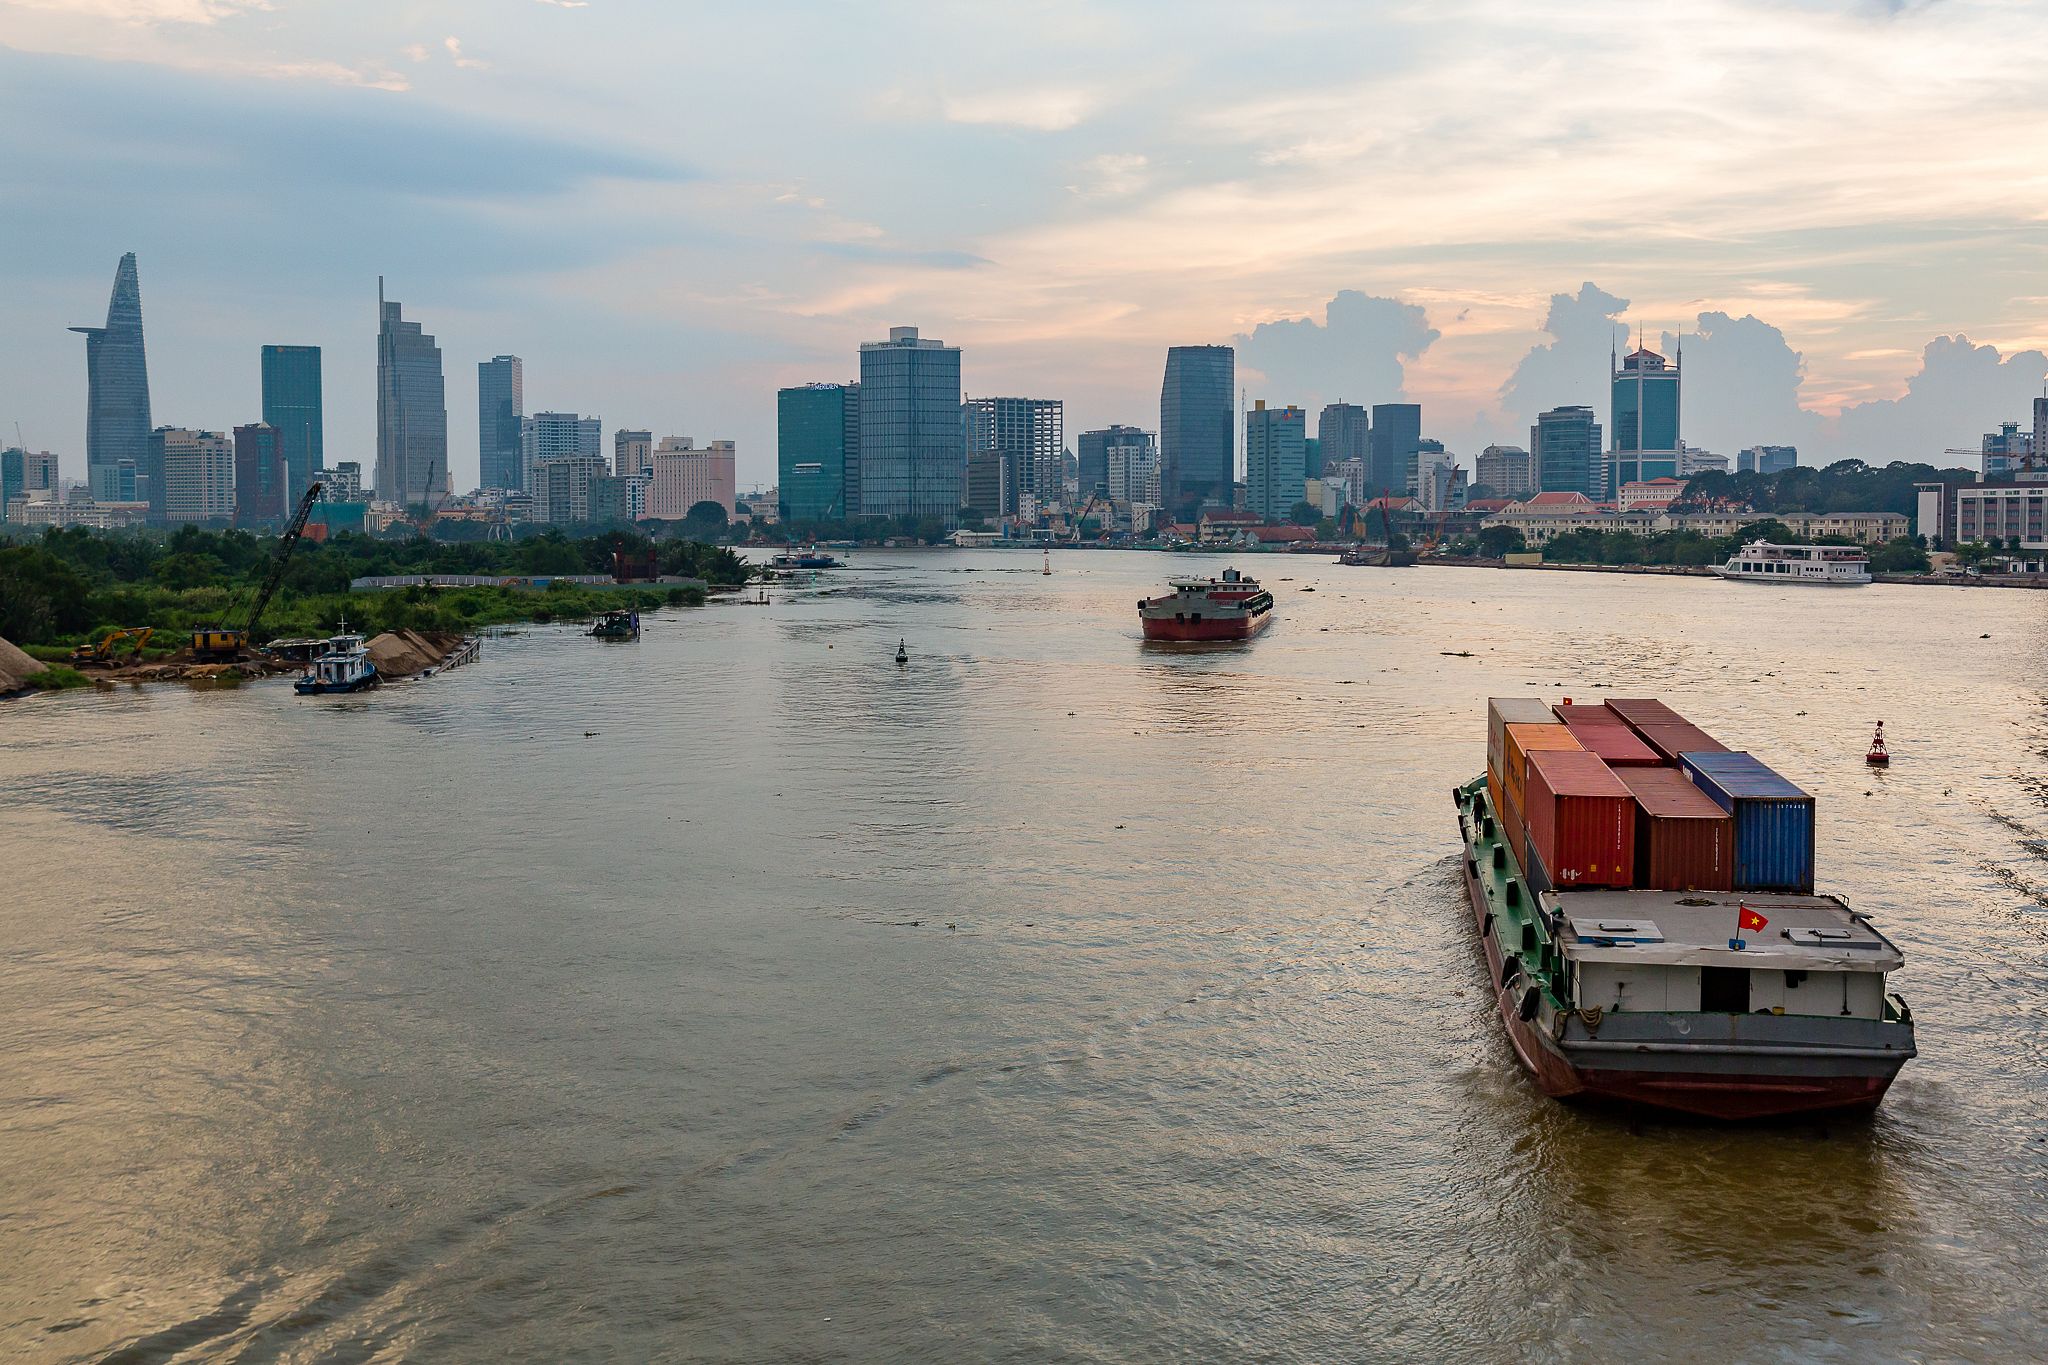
point(1827, 566)
point(344, 667)
point(616, 625)
point(1651, 930)
point(1879, 756)
point(1232, 607)
point(813, 558)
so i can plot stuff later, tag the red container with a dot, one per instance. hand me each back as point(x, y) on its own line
point(1616, 744)
point(1672, 740)
point(1684, 840)
point(1641, 711)
point(1581, 820)
point(1583, 714)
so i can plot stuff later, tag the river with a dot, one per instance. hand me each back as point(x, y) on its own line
point(738, 994)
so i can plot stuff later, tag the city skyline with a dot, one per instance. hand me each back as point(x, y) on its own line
point(1064, 233)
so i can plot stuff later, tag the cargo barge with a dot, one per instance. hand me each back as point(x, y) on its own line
point(1232, 607)
point(1651, 929)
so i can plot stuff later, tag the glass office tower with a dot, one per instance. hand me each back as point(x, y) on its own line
point(913, 451)
point(1197, 443)
point(291, 403)
point(117, 390)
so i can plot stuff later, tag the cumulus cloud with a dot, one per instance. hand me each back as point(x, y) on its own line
point(454, 46)
point(1048, 110)
point(1742, 384)
point(1571, 367)
point(1961, 391)
point(151, 11)
point(1357, 352)
point(1112, 175)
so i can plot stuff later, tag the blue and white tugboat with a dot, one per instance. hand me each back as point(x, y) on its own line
point(344, 667)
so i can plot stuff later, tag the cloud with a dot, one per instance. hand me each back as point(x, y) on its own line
point(454, 46)
point(1961, 391)
point(1049, 110)
point(1112, 175)
point(1742, 383)
point(1571, 367)
point(1355, 353)
point(566, 4)
point(151, 11)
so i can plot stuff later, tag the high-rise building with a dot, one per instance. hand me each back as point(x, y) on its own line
point(1197, 440)
point(1692, 460)
point(913, 451)
point(292, 404)
point(1275, 459)
point(817, 429)
point(500, 408)
point(1509, 471)
point(1344, 432)
point(262, 476)
point(1092, 463)
point(1439, 479)
point(13, 478)
point(991, 488)
point(199, 475)
point(632, 453)
point(1026, 436)
point(1772, 459)
point(561, 488)
point(343, 483)
point(686, 474)
point(1394, 442)
point(412, 411)
point(1134, 472)
point(1566, 445)
point(1645, 437)
point(2041, 430)
point(117, 389)
point(555, 436)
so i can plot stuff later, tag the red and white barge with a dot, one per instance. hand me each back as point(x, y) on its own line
point(1232, 607)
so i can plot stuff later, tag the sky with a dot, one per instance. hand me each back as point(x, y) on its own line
point(671, 209)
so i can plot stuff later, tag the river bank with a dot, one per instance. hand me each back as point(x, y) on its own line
point(1706, 571)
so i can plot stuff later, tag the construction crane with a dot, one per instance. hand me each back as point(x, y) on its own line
point(1087, 507)
point(221, 644)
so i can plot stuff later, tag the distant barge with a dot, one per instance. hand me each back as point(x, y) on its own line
point(1645, 902)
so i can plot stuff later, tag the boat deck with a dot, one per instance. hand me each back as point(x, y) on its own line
point(1693, 928)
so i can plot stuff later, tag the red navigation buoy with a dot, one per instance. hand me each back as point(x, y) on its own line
point(1879, 756)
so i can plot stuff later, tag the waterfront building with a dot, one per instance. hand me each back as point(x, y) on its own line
point(817, 439)
point(117, 388)
point(1027, 436)
point(198, 475)
point(2005, 452)
point(343, 483)
point(1197, 444)
point(1870, 528)
point(1275, 459)
point(262, 476)
point(632, 453)
point(1766, 459)
point(1349, 478)
point(1565, 443)
point(412, 410)
point(1440, 482)
point(1092, 463)
point(1958, 514)
point(989, 487)
point(561, 488)
point(1343, 432)
point(2041, 426)
point(913, 452)
point(555, 436)
point(1693, 461)
point(1649, 494)
point(1509, 471)
point(43, 508)
point(686, 474)
point(1396, 440)
point(500, 419)
point(292, 404)
point(1134, 475)
point(1644, 431)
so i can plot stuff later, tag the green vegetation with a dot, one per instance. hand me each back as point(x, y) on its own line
point(1691, 548)
point(1844, 486)
point(1498, 542)
point(75, 584)
point(57, 677)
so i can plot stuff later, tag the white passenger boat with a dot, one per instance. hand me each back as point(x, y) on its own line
point(1842, 566)
point(344, 667)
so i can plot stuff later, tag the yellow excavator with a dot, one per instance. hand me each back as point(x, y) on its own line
point(129, 639)
point(220, 644)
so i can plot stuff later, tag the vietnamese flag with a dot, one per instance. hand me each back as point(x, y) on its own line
point(1749, 921)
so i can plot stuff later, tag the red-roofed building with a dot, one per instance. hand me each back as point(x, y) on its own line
point(1652, 495)
point(1221, 523)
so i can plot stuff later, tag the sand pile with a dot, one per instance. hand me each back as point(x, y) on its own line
point(16, 668)
point(402, 653)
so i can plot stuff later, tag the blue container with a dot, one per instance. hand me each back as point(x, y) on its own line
point(1773, 820)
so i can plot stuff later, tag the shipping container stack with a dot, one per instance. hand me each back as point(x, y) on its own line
point(1632, 794)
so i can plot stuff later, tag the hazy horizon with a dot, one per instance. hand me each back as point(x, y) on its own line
point(1459, 206)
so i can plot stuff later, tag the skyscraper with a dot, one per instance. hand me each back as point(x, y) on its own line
point(1645, 418)
point(262, 476)
point(1566, 445)
point(1343, 432)
point(1095, 446)
point(1275, 459)
point(815, 426)
point(1509, 471)
point(412, 410)
point(547, 436)
point(1395, 441)
point(1197, 443)
point(1025, 436)
point(117, 388)
point(686, 474)
point(500, 404)
point(199, 475)
point(632, 453)
point(292, 404)
point(913, 451)
point(1771, 459)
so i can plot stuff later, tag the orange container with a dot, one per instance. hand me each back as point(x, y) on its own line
point(1523, 740)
